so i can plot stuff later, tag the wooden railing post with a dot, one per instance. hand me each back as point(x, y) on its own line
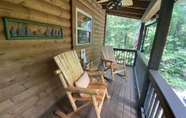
point(128, 54)
point(135, 59)
point(161, 33)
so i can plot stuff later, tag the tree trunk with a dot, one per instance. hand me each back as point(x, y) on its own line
point(178, 26)
point(125, 40)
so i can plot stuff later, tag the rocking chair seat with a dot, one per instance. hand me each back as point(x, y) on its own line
point(116, 66)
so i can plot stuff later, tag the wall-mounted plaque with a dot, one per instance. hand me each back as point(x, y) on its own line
point(16, 29)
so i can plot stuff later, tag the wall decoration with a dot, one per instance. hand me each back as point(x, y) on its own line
point(48, 33)
point(13, 32)
point(27, 31)
point(37, 33)
point(17, 29)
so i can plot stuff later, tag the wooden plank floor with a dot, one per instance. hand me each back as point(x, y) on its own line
point(123, 102)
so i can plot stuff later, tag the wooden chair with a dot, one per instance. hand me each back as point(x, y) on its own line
point(109, 62)
point(70, 73)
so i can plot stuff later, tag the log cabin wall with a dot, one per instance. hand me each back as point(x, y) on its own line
point(28, 86)
point(98, 18)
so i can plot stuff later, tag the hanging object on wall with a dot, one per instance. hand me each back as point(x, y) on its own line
point(13, 32)
point(59, 33)
point(53, 32)
point(21, 31)
point(83, 55)
point(17, 29)
point(27, 31)
point(48, 33)
point(56, 33)
point(38, 32)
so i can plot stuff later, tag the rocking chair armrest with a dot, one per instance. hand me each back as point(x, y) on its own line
point(107, 60)
point(57, 71)
point(83, 90)
point(98, 83)
point(120, 59)
point(95, 72)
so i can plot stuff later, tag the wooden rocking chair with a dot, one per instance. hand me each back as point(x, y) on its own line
point(109, 62)
point(76, 81)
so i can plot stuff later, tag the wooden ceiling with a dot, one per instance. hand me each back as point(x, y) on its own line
point(136, 11)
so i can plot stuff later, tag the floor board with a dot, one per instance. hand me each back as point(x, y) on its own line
point(123, 102)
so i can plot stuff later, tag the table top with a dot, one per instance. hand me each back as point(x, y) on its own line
point(92, 68)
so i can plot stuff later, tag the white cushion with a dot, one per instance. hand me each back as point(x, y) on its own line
point(83, 81)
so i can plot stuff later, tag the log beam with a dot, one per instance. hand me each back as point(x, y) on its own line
point(152, 9)
point(127, 15)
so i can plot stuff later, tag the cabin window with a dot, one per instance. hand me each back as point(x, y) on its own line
point(83, 27)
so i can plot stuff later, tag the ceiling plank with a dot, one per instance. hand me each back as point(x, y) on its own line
point(141, 0)
point(152, 9)
point(136, 4)
point(127, 15)
point(126, 10)
point(140, 4)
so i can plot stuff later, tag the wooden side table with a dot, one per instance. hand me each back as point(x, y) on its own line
point(92, 68)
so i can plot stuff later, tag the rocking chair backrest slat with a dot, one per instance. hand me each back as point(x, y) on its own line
point(70, 66)
point(108, 52)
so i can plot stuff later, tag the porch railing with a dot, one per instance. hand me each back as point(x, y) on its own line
point(129, 55)
point(140, 70)
point(160, 100)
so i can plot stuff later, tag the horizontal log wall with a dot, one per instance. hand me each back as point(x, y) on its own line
point(98, 19)
point(28, 86)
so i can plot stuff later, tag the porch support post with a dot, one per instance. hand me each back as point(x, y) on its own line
point(140, 35)
point(158, 44)
point(161, 33)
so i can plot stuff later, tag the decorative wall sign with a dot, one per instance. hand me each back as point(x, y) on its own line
point(16, 29)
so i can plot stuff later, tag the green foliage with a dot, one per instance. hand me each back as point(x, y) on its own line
point(121, 32)
point(175, 82)
point(174, 63)
point(174, 56)
point(149, 40)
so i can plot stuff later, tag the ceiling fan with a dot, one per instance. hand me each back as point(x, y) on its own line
point(116, 3)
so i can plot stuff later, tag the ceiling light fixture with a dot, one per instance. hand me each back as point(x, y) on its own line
point(116, 4)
